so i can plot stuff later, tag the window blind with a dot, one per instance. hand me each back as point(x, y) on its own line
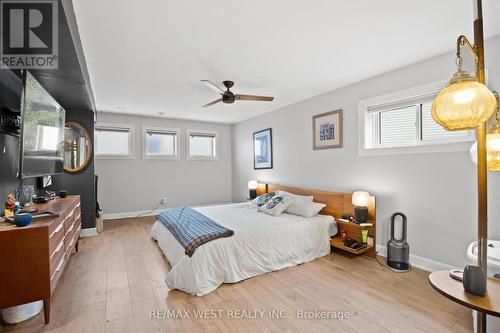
point(203, 135)
point(398, 126)
point(430, 130)
point(112, 129)
point(169, 133)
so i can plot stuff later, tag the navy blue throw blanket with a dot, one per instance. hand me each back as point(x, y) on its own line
point(192, 228)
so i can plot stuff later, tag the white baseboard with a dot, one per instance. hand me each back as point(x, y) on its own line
point(88, 232)
point(420, 262)
point(125, 215)
point(114, 216)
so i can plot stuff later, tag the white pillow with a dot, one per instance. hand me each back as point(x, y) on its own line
point(276, 205)
point(296, 197)
point(305, 209)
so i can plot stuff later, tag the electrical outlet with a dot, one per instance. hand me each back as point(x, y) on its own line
point(163, 201)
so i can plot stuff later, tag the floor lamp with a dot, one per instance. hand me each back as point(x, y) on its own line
point(466, 103)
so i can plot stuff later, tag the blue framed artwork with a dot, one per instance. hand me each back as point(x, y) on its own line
point(263, 149)
point(327, 130)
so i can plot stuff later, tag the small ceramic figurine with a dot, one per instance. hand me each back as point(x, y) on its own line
point(10, 205)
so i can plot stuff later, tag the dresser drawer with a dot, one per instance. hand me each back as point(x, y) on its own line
point(72, 238)
point(69, 219)
point(56, 256)
point(56, 275)
point(55, 234)
point(70, 229)
point(77, 213)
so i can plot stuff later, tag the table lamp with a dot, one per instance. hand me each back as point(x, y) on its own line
point(252, 189)
point(361, 201)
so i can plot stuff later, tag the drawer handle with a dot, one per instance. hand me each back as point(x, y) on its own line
point(57, 229)
point(58, 268)
point(77, 235)
point(71, 228)
point(58, 248)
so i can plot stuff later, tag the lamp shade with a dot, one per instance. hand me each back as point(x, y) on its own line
point(464, 104)
point(361, 199)
point(492, 149)
point(252, 184)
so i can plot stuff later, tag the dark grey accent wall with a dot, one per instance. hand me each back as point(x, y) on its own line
point(70, 86)
point(81, 183)
point(10, 88)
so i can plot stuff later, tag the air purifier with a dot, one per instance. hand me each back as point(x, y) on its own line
point(398, 250)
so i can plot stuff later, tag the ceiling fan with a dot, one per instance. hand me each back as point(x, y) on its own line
point(227, 95)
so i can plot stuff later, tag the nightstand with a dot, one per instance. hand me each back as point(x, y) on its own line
point(354, 231)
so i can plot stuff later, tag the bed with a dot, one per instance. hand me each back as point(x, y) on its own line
point(261, 243)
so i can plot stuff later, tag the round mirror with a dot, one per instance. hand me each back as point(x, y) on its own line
point(77, 147)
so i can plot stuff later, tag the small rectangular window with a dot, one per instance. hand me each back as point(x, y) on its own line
point(401, 122)
point(160, 143)
point(202, 145)
point(113, 141)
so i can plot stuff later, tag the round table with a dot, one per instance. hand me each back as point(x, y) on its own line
point(454, 290)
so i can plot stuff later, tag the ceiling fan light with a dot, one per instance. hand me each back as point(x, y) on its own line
point(463, 104)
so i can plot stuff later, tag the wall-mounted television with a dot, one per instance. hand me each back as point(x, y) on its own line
point(42, 131)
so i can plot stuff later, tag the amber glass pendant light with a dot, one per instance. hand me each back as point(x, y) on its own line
point(492, 146)
point(465, 103)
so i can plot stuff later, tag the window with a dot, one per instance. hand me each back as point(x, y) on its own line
point(402, 123)
point(113, 141)
point(202, 145)
point(160, 143)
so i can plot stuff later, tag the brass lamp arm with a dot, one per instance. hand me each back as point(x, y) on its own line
point(463, 41)
point(498, 106)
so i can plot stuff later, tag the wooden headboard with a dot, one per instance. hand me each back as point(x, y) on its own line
point(337, 203)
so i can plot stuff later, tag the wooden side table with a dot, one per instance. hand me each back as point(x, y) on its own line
point(454, 290)
point(354, 232)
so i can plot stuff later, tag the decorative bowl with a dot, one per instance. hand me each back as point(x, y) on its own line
point(22, 220)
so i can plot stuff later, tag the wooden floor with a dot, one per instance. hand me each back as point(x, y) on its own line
point(117, 278)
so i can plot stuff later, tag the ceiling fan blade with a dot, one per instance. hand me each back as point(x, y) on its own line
point(253, 98)
point(212, 103)
point(213, 86)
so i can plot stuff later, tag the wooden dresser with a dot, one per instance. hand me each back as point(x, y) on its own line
point(33, 258)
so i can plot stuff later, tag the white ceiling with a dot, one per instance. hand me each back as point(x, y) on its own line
point(147, 57)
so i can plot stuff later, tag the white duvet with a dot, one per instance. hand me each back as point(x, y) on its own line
point(261, 243)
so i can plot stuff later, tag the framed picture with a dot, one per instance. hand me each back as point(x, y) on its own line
point(327, 130)
point(263, 149)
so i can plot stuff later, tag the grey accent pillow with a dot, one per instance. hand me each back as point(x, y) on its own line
point(261, 200)
point(275, 206)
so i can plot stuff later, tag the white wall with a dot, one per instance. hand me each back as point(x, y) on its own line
point(132, 185)
point(437, 191)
